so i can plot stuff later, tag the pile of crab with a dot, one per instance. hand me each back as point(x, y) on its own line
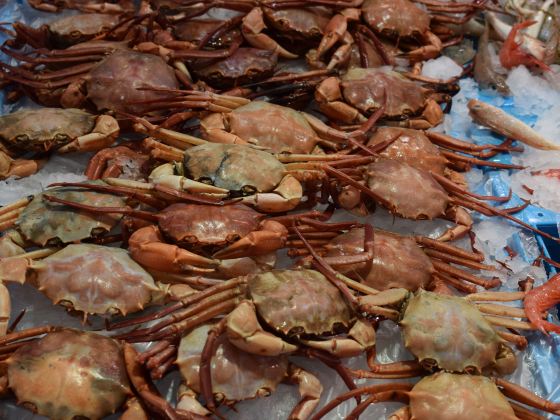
point(228, 237)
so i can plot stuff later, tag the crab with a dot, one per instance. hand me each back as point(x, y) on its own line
point(100, 6)
point(196, 230)
point(299, 307)
point(436, 152)
point(244, 125)
point(70, 374)
point(91, 279)
point(392, 183)
point(256, 375)
point(125, 81)
point(361, 92)
point(451, 333)
point(50, 129)
point(66, 31)
point(245, 65)
point(33, 221)
point(222, 171)
point(411, 263)
point(450, 396)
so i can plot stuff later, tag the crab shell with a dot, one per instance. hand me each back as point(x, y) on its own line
point(206, 226)
point(395, 18)
point(411, 147)
point(367, 89)
point(77, 28)
point(116, 82)
point(245, 65)
point(195, 30)
point(409, 192)
point(236, 168)
point(266, 123)
point(236, 375)
point(448, 396)
point(398, 261)
point(448, 332)
point(299, 302)
point(69, 374)
point(298, 27)
point(43, 129)
point(43, 223)
point(95, 279)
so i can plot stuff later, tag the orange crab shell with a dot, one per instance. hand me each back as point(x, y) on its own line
point(447, 396)
point(95, 279)
point(236, 374)
point(69, 374)
point(398, 261)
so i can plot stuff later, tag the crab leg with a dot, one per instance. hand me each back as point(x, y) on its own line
point(395, 370)
point(395, 388)
point(524, 396)
point(252, 28)
point(362, 338)
point(310, 390)
point(183, 303)
point(456, 283)
point(448, 269)
point(448, 248)
point(245, 332)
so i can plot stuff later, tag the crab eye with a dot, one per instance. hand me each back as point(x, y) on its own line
point(248, 190)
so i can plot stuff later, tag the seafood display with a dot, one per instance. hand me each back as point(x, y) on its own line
point(206, 201)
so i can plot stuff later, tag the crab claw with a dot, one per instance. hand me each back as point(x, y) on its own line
point(512, 55)
point(538, 300)
point(252, 27)
point(273, 236)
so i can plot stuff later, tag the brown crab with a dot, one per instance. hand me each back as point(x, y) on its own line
point(65, 31)
point(256, 375)
point(244, 125)
point(69, 374)
point(225, 232)
point(399, 261)
point(393, 183)
point(95, 6)
point(124, 81)
point(435, 152)
point(91, 279)
point(449, 396)
point(49, 129)
point(360, 92)
point(299, 306)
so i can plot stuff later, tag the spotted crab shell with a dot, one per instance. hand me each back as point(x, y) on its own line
point(397, 261)
point(70, 374)
point(234, 167)
point(448, 396)
point(38, 130)
point(43, 223)
point(266, 124)
point(399, 18)
point(95, 279)
point(115, 83)
point(299, 302)
point(236, 375)
point(448, 331)
point(409, 192)
point(201, 225)
point(411, 147)
point(368, 89)
point(76, 28)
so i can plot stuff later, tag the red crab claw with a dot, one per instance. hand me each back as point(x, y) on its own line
point(539, 299)
point(512, 55)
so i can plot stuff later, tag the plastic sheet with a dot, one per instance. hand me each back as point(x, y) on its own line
point(538, 367)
